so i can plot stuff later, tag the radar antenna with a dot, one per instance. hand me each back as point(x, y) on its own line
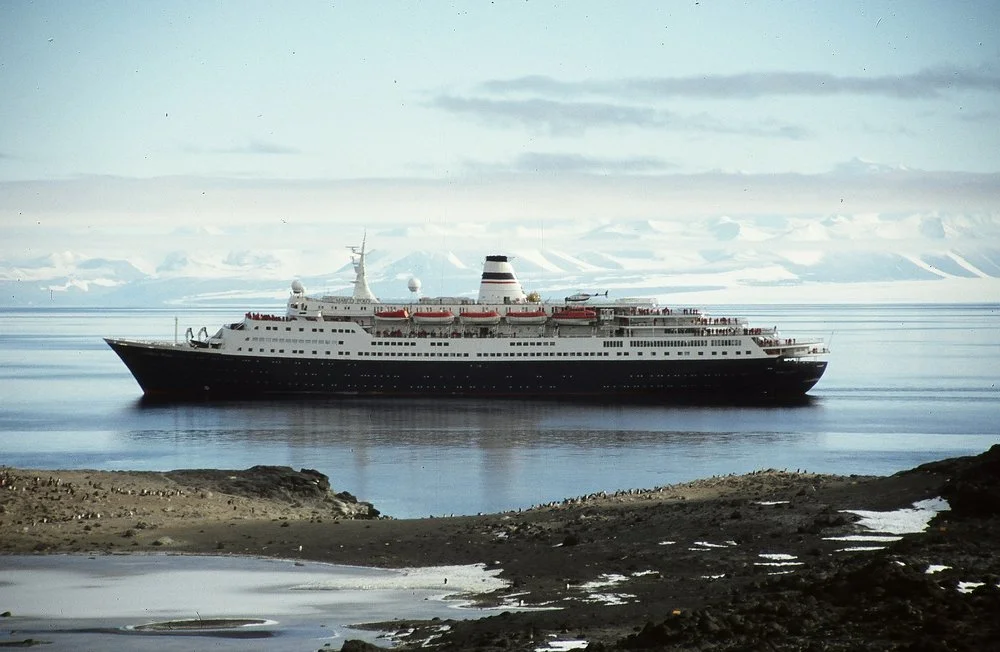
point(361, 290)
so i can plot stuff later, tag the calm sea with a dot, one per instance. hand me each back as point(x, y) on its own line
point(906, 384)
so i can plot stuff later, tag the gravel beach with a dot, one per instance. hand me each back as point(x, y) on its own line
point(767, 560)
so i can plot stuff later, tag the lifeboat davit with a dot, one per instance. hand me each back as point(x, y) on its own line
point(433, 317)
point(392, 315)
point(480, 318)
point(526, 317)
point(575, 317)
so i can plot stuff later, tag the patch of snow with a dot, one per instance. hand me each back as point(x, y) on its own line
point(576, 262)
point(453, 259)
point(864, 537)
point(609, 599)
point(606, 580)
point(538, 258)
point(473, 578)
point(806, 257)
point(777, 556)
point(562, 646)
point(936, 568)
point(967, 265)
point(860, 548)
point(768, 503)
point(968, 587)
point(916, 260)
point(515, 602)
point(902, 521)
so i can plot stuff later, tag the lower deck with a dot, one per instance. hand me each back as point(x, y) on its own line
point(187, 371)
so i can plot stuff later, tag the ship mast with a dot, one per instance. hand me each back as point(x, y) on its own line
point(361, 290)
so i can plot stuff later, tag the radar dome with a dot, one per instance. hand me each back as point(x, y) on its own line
point(413, 284)
point(297, 287)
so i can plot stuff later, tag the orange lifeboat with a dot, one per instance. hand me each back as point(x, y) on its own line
point(433, 317)
point(525, 317)
point(575, 317)
point(392, 315)
point(480, 318)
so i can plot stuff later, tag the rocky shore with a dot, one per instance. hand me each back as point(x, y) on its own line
point(769, 560)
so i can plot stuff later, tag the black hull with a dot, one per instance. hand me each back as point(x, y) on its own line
point(181, 372)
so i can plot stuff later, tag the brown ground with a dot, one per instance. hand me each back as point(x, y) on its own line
point(677, 593)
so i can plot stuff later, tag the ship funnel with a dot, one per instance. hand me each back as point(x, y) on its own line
point(499, 284)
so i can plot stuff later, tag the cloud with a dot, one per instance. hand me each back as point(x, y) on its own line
point(558, 163)
point(573, 118)
point(924, 84)
point(253, 147)
point(980, 117)
point(556, 117)
point(97, 210)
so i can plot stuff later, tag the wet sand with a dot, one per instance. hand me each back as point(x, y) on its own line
point(769, 559)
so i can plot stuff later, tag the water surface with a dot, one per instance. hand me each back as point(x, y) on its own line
point(906, 385)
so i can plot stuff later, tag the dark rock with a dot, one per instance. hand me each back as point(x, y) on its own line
point(271, 482)
point(974, 490)
point(650, 637)
point(356, 645)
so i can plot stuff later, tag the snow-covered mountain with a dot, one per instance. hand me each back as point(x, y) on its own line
point(728, 258)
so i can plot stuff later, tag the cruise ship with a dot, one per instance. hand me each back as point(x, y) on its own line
point(504, 343)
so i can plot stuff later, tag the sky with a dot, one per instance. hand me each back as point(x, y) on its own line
point(120, 120)
point(359, 90)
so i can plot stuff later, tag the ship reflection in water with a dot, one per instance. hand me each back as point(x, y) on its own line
point(421, 457)
point(71, 404)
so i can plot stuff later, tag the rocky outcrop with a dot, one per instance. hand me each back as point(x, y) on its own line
point(279, 483)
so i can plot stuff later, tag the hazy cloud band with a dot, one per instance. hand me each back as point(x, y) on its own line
point(927, 83)
point(568, 118)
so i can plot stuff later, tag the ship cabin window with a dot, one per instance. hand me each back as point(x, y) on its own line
point(288, 328)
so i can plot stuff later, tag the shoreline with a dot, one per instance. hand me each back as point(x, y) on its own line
point(644, 562)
